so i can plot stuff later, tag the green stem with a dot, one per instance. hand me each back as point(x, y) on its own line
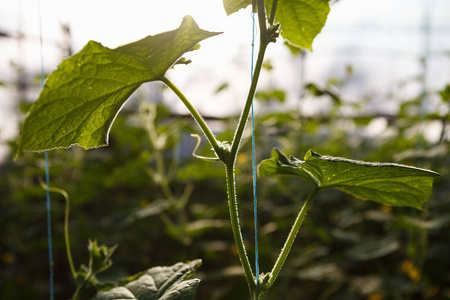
point(67, 236)
point(80, 288)
point(262, 20)
point(234, 216)
point(157, 143)
point(248, 104)
point(265, 40)
point(272, 12)
point(66, 225)
point(291, 237)
point(209, 135)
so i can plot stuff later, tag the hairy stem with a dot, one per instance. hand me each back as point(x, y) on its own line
point(248, 104)
point(265, 40)
point(234, 216)
point(291, 237)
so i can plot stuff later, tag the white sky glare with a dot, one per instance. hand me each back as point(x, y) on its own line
point(384, 40)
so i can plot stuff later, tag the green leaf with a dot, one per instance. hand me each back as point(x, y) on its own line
point(317, 91)
point(269, 95)
point(445, 93)
point(99, 257)
point(82, 97)
point(158, 283)
point(387, 183)
point(301, 20)
point(232, 6)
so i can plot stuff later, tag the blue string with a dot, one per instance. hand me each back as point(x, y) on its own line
point(254, 166)
point(49, 230)
point(47, 177)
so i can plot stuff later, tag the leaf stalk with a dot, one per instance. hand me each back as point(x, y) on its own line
point(220, 152)
point(272, 12)
point(291, 237)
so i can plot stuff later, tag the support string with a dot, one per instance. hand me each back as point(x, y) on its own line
point(47, 177)
point(254, 164)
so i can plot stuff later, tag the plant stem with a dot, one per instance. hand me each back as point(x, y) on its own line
point(66, 224)
point(67, 236)
point(272, 12)
point(157, 144)
point(248, 104)
point(209, 135)
point(262, 19)
point(291, 237)
point(234, 216)
point(80, 288)
point(265, 40)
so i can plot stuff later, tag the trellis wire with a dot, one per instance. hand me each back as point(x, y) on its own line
point(47, 177)
point(255, 206)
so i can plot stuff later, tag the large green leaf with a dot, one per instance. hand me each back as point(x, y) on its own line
point(158, 283)
point(232, 6)
point(301, 20)
point(387, 183)
point(82, 97)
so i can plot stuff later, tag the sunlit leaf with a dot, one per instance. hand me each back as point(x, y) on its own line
point(301, 20)
point(387, 183)
point(232, 6)
point(82, 97)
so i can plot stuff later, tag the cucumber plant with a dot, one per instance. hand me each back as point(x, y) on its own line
point(82, 97)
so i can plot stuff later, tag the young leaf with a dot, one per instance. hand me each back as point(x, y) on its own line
point(99, 256)
point(232, 6)
point(387, 183)
point(82, 97)
point(301, 20)
point(158, 283)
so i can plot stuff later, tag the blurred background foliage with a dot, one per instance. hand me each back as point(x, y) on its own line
point(148, 194)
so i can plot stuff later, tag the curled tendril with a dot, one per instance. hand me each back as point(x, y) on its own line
point(196, 147)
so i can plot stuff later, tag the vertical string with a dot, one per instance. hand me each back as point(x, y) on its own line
point(255, 206)
point(47, 177)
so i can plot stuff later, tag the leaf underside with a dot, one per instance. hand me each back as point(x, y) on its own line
point(386, 183)
point(158, 283)
point(82, 97)
point(232, 6)
point(301, 20)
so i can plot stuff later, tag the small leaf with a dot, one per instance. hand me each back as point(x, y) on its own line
point(319, 92)
point(158, 283)
point(301, 20)
point(82, 97)
point(269, 95)
point(232, 6)
point(99, 256)
point(387, 183)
